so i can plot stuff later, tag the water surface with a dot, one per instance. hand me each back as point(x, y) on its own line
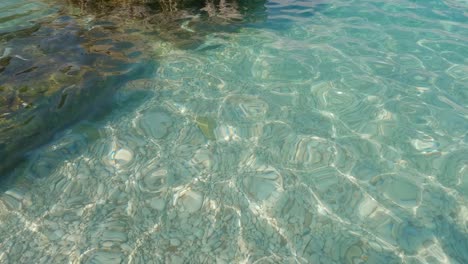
point(301, 132)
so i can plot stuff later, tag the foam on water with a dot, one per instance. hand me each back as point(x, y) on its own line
point(328, 133)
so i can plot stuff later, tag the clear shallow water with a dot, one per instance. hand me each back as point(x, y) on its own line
point(333, 132)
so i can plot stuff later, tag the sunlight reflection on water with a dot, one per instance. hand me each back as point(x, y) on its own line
point(331, 133)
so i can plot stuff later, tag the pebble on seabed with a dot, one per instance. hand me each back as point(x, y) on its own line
point(189, 200)
point(123, 156)
point(157, 203)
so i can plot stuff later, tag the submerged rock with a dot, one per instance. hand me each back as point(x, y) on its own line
point(52, 78)
point(207, 126)
point(69, 63)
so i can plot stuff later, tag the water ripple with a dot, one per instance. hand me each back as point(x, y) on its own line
point(331, 132)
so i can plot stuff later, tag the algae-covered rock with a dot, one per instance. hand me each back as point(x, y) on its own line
point(65, 61)
point(56, 76)
point(207, 126)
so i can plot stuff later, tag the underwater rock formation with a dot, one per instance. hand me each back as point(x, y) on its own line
point(56, 75)
point(65, 65)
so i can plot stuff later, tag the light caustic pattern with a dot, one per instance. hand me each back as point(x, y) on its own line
point(331, 135)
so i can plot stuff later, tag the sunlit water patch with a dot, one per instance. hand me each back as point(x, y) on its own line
point(327, 133)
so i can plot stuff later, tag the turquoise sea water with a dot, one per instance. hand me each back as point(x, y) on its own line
point(298, 132)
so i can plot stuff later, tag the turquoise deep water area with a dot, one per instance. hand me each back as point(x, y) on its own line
point(300, 132)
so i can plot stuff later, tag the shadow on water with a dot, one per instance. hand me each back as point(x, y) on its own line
point(67, 65)
point(72, 141)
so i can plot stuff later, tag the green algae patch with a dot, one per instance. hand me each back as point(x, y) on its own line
point(207, 126)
